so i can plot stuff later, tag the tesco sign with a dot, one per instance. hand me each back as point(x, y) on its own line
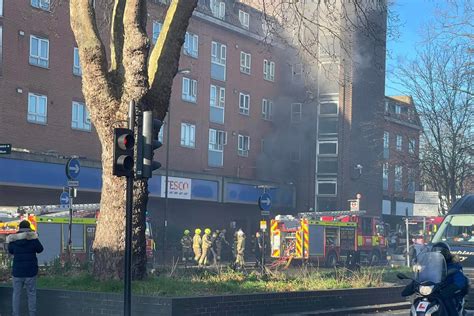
point(178, 188)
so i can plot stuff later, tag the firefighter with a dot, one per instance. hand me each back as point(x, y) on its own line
point(214, 237)
point(197, 244)
point(220, 239)
point(206, 245)
point(186, 246)
point(240, 249)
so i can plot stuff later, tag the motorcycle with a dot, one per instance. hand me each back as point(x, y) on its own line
point(430, 279)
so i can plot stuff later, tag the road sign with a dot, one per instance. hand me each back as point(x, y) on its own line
point(426, 203)
point(265, 213)
point(5, 149)
point(72, 183)
point(265, 202)
point(263, 225)
point(64, 198)
point(354, 205)
point(73, 167)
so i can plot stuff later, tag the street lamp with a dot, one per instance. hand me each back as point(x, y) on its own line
point(168, 123)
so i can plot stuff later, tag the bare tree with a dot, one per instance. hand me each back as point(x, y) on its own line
point(442, 91)
point(133, 74)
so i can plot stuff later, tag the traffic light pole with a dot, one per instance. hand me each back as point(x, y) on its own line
point(127, 299)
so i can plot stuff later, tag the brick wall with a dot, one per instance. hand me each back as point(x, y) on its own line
point(71, 303)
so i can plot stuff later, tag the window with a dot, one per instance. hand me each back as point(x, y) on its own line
point(297, 72)
point(218, 9)
point(244, 19)
point(217, 140)
point(76, 67)
point(80, 117)
point(411, 180)
point(328, 107)
point(245, 61)
point(385, 176)
point(243, 146)
point(387, 106)
point(190, 46)
point(295, 112)
point(217, 104)
point(218, 61)
point(328, 126)
point(398, 178)
point(366, 226)
point(39, 51)
point(156, 31)
point(189, 90)
point(41, 4)
point(327, 148)
point(244, 103)
point(188, 135)
point(268, 70)
point(327, 187)
point(267, 110)
point(1, 7)
point(412, 146)
point(398, 109)
point(386, 144)
point(399, 142)
point(327, 166)
point(37, 108)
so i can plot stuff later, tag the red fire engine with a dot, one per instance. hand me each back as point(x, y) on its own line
point(328, 237)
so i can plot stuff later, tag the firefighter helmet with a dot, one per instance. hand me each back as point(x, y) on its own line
point(197, 231)
point(207, 231)
point(186, 232)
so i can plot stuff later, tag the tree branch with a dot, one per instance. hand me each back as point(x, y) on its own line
point(162, 68)
point(116, 43)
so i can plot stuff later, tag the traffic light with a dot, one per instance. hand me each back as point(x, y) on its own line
point(123, 152)
point(150, 130)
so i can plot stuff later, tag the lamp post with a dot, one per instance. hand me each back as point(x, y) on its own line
point(165, 214)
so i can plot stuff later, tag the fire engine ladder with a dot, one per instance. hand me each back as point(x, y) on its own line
point(315, 215)
point(52, 210)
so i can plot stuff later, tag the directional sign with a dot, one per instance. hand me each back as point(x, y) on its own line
point(64, 198)
point(5, 149)
point(73, 167)
point(264, 202)
point(73, 183)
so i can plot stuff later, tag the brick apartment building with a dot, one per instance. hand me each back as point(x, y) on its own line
point(240, 117)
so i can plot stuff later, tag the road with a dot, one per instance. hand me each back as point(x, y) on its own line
point(399, 312)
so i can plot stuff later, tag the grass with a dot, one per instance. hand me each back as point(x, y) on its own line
point(207, 282)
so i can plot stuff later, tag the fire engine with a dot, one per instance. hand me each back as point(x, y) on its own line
point(328, 237)
point(52, 223)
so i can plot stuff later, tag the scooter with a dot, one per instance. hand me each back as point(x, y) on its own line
point(430, 279)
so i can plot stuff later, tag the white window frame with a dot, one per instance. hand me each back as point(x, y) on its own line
point(217, 8)
point(398, 109)
point(385, 175)
point(399, 142)
point(217, 140)
point(188, 135)
point(334, 181)
point(386, 144)
point(35, 58)
point(1, 7)
point(217, 97)
point(156, 30)
point(329, 101)
point(297, 70)
point(76, 64)
point(412, 146)
point(268, 70)
point(267, 110)
point(328, 142)
point(244, 103)
point(189, 90)
point(41, 4)
point(191, 45)
point(245, 62)
point(243, 145)
point(218, 53)
point(34, 116)
point(296, 116)
point(244, 19)
point(80, 123)
point(398, 183)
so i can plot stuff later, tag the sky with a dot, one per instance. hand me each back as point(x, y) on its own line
point(413, 15)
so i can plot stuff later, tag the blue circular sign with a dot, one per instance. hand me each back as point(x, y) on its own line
point(73, 167)
point(64, 198)
point(264, 202)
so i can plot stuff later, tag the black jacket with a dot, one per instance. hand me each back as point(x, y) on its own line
point(24, 246)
